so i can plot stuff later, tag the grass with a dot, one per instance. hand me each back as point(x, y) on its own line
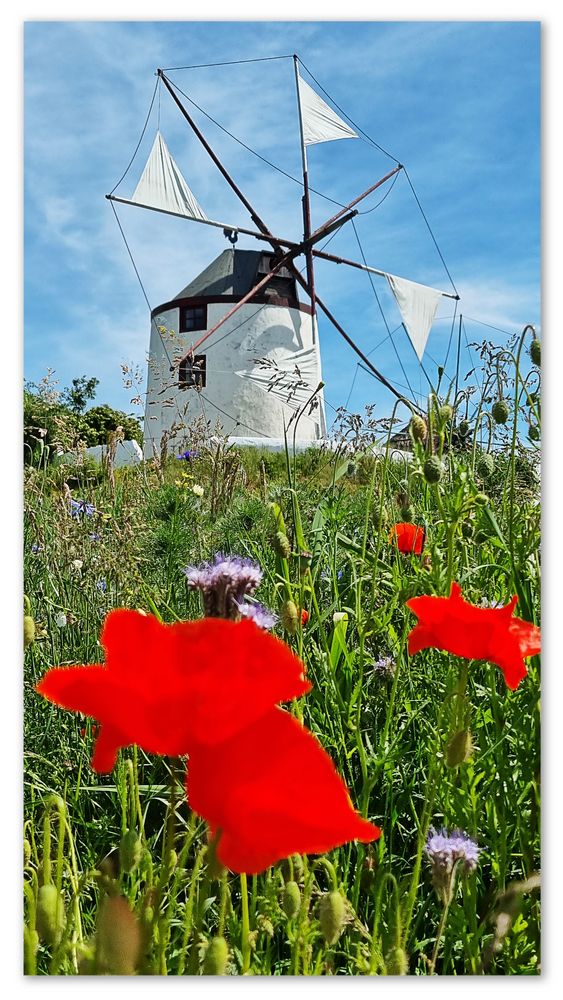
point(388, 734)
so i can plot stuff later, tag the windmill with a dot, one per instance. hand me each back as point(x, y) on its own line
point(237, 341)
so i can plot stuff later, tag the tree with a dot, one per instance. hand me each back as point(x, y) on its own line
point(81, 390)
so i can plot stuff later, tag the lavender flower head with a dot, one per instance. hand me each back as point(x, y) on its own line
point(385, 667)
point(444, 851)
point(263, 617)
point(224, 584)
point(81, 507)
point(187, 456)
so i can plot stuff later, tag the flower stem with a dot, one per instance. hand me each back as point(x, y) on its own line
point(245, 943)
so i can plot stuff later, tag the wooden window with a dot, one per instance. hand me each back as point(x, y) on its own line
point(193, 318)
point(192, 373)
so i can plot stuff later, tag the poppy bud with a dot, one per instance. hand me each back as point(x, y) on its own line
point(534, 432)
point(433, 469)
point(332, 916)
point(485, 465)
point(464, 428)
point(216, 957)
point(291, 900)
point(407, 514)
point(396, 962)
point(418, 428)
point(26, 853)
point(459, 748)
point(466, 529)
point(50, 918)
point(118, 937)
point(304, 616)
point(31, 944)
point(535, 351)
point(86, 959)
point(289, 617)
point(297, 866)
point(481, 499)
point(305, 560)
point(500, 411)
point(130, 851)
point(281, 545)
point(446, 413)
point(28, 631)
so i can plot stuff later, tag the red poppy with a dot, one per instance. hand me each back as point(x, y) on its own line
point(165, 687)
point(272, 791)
point(409, 537)
point(209, 689)
point(304, 617)
point(455, 626)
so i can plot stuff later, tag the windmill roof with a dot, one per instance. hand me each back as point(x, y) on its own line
point(233, 272)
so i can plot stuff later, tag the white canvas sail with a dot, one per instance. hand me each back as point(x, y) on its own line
point(417, 305)
point(320, 122)
point(292, 379)
point(163, 187)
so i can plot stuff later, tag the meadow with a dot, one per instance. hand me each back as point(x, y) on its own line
point(440, 750)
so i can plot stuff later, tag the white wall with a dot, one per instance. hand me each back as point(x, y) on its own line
point(252, 332)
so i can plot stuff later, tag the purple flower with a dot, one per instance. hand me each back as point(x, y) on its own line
point(101, 585)
point(36, 548)
point(95, 537)
point(187, 456)
point(80, 507)
point(224, 584)
point(385, 667)
point(444, 851)
point(263, 617)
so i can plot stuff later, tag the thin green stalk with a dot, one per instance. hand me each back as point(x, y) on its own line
point(245, 940)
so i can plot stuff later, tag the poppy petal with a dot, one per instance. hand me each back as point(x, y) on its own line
point(278, 794)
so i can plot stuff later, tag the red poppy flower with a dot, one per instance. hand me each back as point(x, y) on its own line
point(408, 537)
point(304, 617)
point(272, 791)
point(165, 687)
point(493, 634)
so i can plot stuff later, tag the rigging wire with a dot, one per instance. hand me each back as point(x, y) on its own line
point(142, 134)
point(429, 227)
point(412, 392)
point(451, 335)
point(234, 62)
point(290, 177)
point(352, 122)
point(381, 200)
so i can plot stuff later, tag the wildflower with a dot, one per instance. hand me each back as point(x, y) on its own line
point(408, 537)
point(304, 616)
point(197, 490)
point(78, 508)
point(224, 583)
point(210, 690)
point(101, 585)
point(60, 619)
point(36, 548)
point(444, 851)
point(187, 456)
point(263, 617)
point(385, 667)
point(456, 626)
point(76, 565)
point(95, 537)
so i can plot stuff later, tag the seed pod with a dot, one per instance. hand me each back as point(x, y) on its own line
point(459, 748)
point(534, 432)
point(464, 428)
point(485, 465)
point(535, 351)
point(281, 545)
point(118, 936)
point(291, 900)
point(28, 631)
point(216, 957)
point(446, 413)
point(396, 962)
point(433, 469)
point(50, 918)
point(418, 428)
point(332, 916)
point(500, 411)
point(130, 851)
point(289, 617)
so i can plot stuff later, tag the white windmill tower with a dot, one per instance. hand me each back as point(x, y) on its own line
point(237, 344)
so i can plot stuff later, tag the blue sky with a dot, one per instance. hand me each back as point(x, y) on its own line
point(457, 102)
